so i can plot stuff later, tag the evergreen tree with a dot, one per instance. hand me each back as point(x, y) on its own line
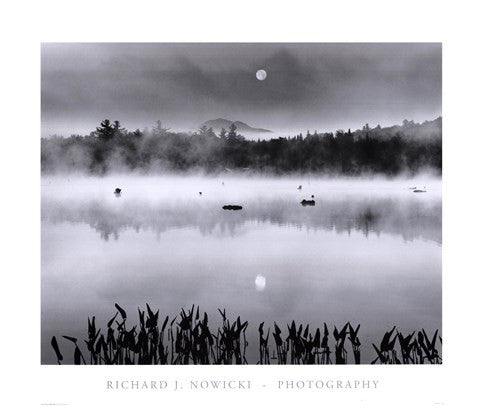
point(203, 131)
point(117, 129)
point(137, 133)
point(158, 129)
point(106, 131)
point(232, 132)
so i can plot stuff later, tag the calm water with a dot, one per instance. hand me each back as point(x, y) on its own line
point(369, 252)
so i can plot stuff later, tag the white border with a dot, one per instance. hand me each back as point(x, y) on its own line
point(28, 23)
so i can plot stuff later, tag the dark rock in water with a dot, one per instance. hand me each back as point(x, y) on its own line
point(308, 202)
point(232, 207)
point(118, 191)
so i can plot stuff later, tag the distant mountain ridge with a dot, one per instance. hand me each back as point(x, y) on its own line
point(242, 127)
point(409, 130)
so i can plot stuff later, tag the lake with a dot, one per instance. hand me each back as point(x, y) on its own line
point(368, 252)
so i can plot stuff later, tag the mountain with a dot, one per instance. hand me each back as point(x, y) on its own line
point(242, 128)
point(409, 130)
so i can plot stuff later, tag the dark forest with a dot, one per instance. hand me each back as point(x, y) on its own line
point(402, 149)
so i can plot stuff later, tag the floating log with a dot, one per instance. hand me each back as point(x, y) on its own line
point(232, 207)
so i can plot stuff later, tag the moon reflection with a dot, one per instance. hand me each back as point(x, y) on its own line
point(260, 282)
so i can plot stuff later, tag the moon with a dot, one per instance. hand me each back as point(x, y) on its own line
point(260, 282)
point(261, 74)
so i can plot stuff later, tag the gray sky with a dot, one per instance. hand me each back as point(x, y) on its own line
point(309, 86)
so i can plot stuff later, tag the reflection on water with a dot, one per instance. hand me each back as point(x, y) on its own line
point(411, 219)
point(368, 252)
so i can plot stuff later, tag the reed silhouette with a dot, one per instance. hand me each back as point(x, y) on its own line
point(413, 350)
point(188, 339)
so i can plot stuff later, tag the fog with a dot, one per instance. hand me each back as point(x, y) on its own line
point(408, 148)
point(372, 205)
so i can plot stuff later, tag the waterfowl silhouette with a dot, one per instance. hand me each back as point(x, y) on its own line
point(305, 202)
point(117, 191)
point(424, 190)
point(200, 193)
point(299, 187)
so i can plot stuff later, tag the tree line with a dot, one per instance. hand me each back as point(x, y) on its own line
point(407, 148)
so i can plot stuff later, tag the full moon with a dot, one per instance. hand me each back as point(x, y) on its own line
point(261, 74)
point(260, 282)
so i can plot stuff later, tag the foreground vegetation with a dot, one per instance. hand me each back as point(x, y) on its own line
point(188, 339)
point(406, 148)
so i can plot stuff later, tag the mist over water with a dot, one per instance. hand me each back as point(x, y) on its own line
point(368, 252)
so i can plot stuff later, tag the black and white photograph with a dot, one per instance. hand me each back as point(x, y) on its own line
point(241, 203)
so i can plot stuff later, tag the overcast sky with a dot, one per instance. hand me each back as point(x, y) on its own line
point(308, 86)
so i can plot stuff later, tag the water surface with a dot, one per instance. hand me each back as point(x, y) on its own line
point(368, 252)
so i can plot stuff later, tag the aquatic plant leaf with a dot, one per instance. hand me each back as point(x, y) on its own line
point(316, 339)
point(382, 358)
point(429, 344)
point(223, 314)
point(335, 333)
point(72, 339)
point(56, 349)
point(343, 332)
point(150, 313)
point(77, 356)
point(386, 339)
point(164, 324)
point(121, 311)
point(391, 344)
point(305, 333)
point(109, 324)
point(141, 317)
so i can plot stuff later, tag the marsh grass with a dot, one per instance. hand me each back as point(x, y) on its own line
point(188, 339)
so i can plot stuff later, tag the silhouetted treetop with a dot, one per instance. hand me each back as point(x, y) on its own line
point(409, 147)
